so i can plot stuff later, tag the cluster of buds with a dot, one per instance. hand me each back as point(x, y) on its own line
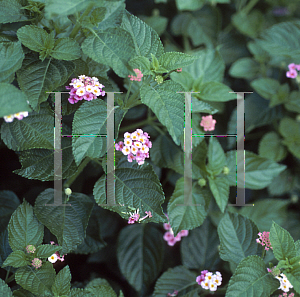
point(169, 235)
point(285, 285)
point(53, 258)
point(286, 295)
point(87, 88)
point(19, 115)
point(36, 263)
point(136, 146)
point(30, 249)
point(173, 294)
point(264, 240)
point(292, 73)
point(208, 123)
point(209, 281)
point(138, 76)
point(135, 217)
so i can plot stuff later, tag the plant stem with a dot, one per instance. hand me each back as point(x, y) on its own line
point(69, 182)
point(11, 278)
point(136, 125)
point(78, 25)
point(128, 92)
point(7, 274)
point(263, 253)
point(159, 130)
point(186, 44)
point(249, 6)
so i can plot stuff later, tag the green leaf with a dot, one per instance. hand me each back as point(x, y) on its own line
point(282, 243)
point(175, 60)
point(214, 91)
point(231, 164)
point(290, 130)
point(167, 105)
point(22, 293)
point(16, 259)
point(46, 250)
point(189, 4)
point(219, 187)
point(265, 87)
point(283, 183)
point(67, 223)
point(183, 78)
point(293, 103)
point(10, 12)
point(251, 278)
point(200, 248)
point(37, 281)
point(297, 247)
point(137, 187)
point(12, 100)
point(216, 156)
point(270, 147)
point(66, 49)
point(35, 78)
point(34, 131)
point(24, 228)
point(5, 249)
point(33, 37)
point(282, 41)
point(146, 41)
point(237, 238)
point(4, 289)
point(140, 254)
point(63, 8)
point(62, 282)
point(11, 58)
point(112, 47)
point(157, 22)
point(294, 277)
point(9, 201)
point(101, 291)
point(203, 107)
point(184, 216)
point(39, 163)
point(178, 278)
point(141, 63)
point(259, 171)
point(244, 68)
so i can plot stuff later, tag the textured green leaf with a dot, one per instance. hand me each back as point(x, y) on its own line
point(62, 282)
point(214, 91)
point(146, 40)
point(157, 22)
point(189, 4)
point(16, 259)
point(297, 247)
point(5, 249)
point(231, 164)
point(22, 293)
point(12, 100)
point(203, 107)
point(265, 87)
point(11, 58)
point(39, 163)
point(293, 103)
point(200, 248)
point(270, 147)
point(219, 187)
point(24, 228)
point(67, 223)
point(244, 68)
point(294, 278)
point(10, 12)
point(137, 187)
point(112, 47)
point(237, 238)
point(290, 130)
point(33, 37)
point(282, 183)
point(282, 243)
point(251, 278)
point(46, 250)
point(178, 278)
point(141, 63)
point(187, 217)
point(174, 60)
point(9, 201)
point(167, 105)
point(34, 131)
point(216, 156)
point(259, 172)
point(140, 254)
point(66, 49)
point(185, 79)
point(37, 281)
point(282, 41)
point(35, 78)
point(5, 291)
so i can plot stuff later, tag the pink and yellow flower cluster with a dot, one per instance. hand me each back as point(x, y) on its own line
point(209, 281)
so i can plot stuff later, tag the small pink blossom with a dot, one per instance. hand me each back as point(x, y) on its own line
point(167, 226)
point(291, 74)
point(208, 123)
point(36, 263)
point(184, 233)
point(179, 69)
point(138, 76)
point(173, 294)
point(264, 240)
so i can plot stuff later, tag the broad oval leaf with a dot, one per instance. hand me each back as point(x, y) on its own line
point(251, 278)
point(174, 60)
point(62, 282)
point(9, 201)
point(24, 228)
point(237, 238)
point(16, 259)
point(67, 223)
point(66, 49)
point(219, 187)
point(216, 156)
point(167, 105)
point(140, 254)
point(10, 12)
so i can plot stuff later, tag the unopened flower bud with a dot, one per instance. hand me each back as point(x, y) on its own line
point(159, 79)
point(202, 182)
point(226, 170)
point(68, 191)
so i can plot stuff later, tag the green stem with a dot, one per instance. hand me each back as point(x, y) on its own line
point(78, 25)
point(69, 182)
point(11, 278)
point(186, 44)
point(128, 92)
point(249, 6)
point(7, 274)
point(136, 125)
point(159, 130)
point(263, 253)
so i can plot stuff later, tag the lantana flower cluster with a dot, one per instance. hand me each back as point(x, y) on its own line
point(264, 240)
point(53, 258)
point(36, 263)
point(208, 123)
point(136, 146)
point(292, 73)
point(135, 217)
point(138, 76)
point(169, 235)
point(209, 281)
point(286, 295)
point(285, 284)
point(30, 249)
point(87, 88)
point(19, 115)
